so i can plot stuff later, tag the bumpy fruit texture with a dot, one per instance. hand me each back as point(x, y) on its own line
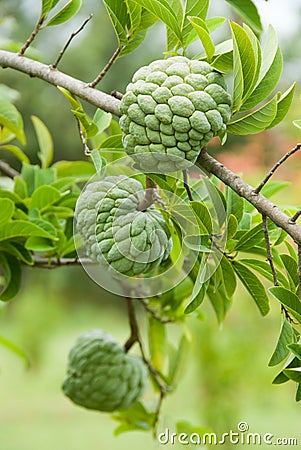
point(171, 110)
point(100, 375)
point(132, 242)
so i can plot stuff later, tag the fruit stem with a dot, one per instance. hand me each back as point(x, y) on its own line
point(149, 196)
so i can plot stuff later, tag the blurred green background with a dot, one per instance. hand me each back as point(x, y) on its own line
point(225, 378)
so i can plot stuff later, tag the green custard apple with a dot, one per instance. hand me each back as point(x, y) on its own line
point(101, 376)
point(132, 242)
point(171, 110)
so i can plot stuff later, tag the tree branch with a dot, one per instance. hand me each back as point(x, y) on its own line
point(32, 36)
point(57, 78)
point(296, 216)
point(186, 185)
point(243, 189)
point(7, 170)
point(149, 196)
point(53, 263)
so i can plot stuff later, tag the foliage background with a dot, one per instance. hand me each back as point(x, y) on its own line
point(228, 380)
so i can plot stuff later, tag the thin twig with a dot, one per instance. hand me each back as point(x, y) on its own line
point(135, 337)
point(299, 267)
point(295, 216)
point(117, 94)
point(7, 170)
point(106, 68)
point(83, 138)
point(268, 249)
point(186, 185)
point(32, 36)
point(154, 313)
point(62, 52)
point(276, 166)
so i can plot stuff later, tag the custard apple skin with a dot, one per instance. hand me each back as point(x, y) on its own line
point(132, 242)
point(171, 110)
point(101, 376)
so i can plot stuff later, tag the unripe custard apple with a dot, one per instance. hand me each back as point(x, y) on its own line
point(132, 242)
point(101, 376)
point(171, 110)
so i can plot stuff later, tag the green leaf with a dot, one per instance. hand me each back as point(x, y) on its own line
point(202, 31)
point(98, 161)
point(270, 50)
point(102, 119)
point(295, 349)
point(289, 299)
point(39, 244)
point(220, 303)
point(74, 102)
point(283, 105)
point(256, 121)
point(213, 23)
point(267, 84)
point(248, 12)
point(298, 393)
point(134, 11)
point(12, 119)
point(245, 65)
point(235, 204)
point(17, 250)
point(43, 197)
point(253, 285)
point(193, 8)
point(21, 228)
point(69, 10)
point(14, 349)
point(203, 216)
point(176, 358)
point(194, 242)
point(7, 208)
point(291, 268)
point(281, 351)
point(273, 187)
point(164, 12)
point(79, 170)
point(45, 142)
point(134, 418)
point(293, 374)
point(232, 227)
point(250, 238)
point(264, 268)
point(198, 293)
point(17, 152)
point(13, 274)
point(229, 278)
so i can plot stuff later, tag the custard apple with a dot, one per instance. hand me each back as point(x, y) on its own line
point(171, 110)
point(100, 375)
point(132, 242)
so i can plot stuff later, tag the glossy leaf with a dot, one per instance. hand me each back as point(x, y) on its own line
point(202, 31)
point(256, 121)
point(7, 208)
point(254, 286)
point(44, 196)
point(45, 142)
point(264, 269)
point(16, 151)
point(245, 65)
point(289, 299)
point(283, 105)
point(11, 119)
point(248, 12)
point(21, 228)
point(65, 14)
point(12, 273)
point(281, 351)
point(291, 268)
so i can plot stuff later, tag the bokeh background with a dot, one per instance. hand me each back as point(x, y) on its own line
point(225, 378)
